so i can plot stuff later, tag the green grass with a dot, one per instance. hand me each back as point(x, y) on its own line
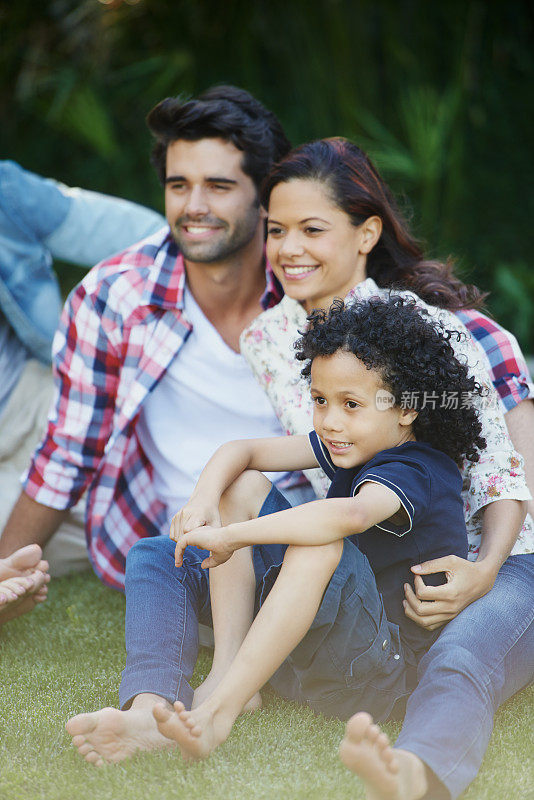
point(66, 657)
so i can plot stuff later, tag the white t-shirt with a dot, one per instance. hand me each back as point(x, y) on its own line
point(208, 396)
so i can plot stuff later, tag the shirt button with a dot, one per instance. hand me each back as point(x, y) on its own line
point(396, 656)
point(384, 644)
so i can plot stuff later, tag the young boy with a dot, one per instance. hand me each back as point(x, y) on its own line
point(326, 578)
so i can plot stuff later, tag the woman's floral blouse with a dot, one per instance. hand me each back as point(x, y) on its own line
point(268, 346)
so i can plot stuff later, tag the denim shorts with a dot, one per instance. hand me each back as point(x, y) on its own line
point(352, 658)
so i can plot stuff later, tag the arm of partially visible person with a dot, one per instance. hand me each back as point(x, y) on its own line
point(75, 225)
point(520, 422)
point(98, 225)
point(86, 370)
point(29, 523)
point(316, 523)
point(433, 606)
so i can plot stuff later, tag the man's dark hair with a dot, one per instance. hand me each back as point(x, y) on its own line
point(221, 112)
point(415, 361)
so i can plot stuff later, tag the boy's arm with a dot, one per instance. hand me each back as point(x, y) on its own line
point(316, 523)
point(276, 454)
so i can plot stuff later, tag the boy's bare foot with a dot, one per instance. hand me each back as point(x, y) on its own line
point(208, 686)
point(388, 774)
point(110, 735)
point(197, 732)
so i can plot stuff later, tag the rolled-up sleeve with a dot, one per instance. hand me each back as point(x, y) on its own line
point(86, 373)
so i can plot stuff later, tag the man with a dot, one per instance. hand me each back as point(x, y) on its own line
point(148, 334)
point(41, 220)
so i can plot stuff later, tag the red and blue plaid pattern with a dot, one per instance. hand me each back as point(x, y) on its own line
point(120, 329)
point(504, 359)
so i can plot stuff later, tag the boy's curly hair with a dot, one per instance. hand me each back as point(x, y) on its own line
point(412, 354)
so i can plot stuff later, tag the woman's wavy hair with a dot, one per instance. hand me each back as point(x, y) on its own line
point(355, 186)
point(416, 363)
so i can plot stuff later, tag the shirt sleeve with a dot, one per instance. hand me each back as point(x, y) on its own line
point(504, 359)
point(409, 480)
point(86, 376)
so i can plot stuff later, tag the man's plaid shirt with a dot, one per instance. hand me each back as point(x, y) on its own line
point(119, 331)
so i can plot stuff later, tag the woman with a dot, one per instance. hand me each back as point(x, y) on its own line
point(333, 230)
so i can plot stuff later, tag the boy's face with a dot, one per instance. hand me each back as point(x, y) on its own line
point(346, 415)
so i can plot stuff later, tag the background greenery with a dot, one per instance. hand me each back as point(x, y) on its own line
point(441, 94)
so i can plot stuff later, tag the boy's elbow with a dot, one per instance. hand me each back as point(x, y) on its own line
point(357, 519)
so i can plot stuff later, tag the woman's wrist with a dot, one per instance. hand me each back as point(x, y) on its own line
point(487, 569)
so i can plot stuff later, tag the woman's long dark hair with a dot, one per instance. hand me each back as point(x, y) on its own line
point(397, 260)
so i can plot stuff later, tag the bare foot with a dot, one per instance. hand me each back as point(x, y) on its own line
point(208, 686)
point(19, 595)
point(112, 735)
point(25, 562)
point(197, 732)
point(22, 562)
point(388, 774)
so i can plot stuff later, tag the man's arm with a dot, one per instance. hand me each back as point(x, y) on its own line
point(29, 523)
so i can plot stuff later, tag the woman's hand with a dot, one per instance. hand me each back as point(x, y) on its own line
point(207, 538)
point(433, 606)
point(194, 514)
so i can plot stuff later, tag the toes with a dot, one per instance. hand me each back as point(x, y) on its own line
point(391, 760)
point(85, 749)
point(382, 741)
point(372, 733)
point(92, 757)
point(179, 706)
point(80, 724)
point(78, 740)
point(38, 580)
point(25, 558)
point(161, 712)
point(357, 726)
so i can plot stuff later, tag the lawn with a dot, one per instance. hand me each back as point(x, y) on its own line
point(66, 657)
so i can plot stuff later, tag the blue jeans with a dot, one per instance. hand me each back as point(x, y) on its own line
point(481, 659)
point(351, 659)
point(164, 606)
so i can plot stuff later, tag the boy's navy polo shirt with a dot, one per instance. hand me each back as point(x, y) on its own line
point(428, 484)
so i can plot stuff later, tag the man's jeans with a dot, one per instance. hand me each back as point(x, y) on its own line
point(481, 658)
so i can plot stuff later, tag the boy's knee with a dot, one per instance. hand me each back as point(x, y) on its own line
point(244, 497)
point(319, 557)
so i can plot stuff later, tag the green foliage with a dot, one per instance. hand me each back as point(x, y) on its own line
point(439, 93)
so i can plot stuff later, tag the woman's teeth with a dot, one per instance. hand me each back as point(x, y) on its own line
point(298, 270)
